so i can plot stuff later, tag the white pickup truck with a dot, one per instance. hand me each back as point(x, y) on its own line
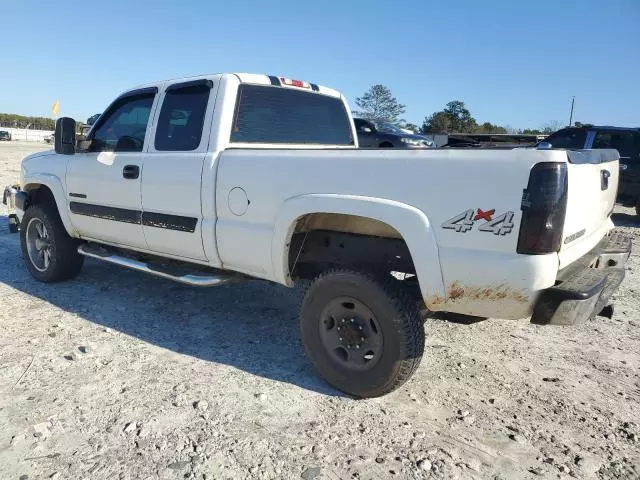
point(215, 179)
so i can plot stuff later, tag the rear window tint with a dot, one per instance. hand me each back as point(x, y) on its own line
point(267, 114)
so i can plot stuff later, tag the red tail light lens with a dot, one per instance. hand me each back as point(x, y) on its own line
point(544, 205)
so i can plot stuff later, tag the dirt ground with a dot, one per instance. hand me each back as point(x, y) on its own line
point(118, 375)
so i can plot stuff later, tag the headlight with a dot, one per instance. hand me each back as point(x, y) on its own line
point(412, 141)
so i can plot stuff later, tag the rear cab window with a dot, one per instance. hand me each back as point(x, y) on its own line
point(280, 115)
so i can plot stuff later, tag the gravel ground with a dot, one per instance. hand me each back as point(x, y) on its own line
point(117, 375)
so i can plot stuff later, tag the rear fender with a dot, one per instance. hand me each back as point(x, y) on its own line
point(411, 223)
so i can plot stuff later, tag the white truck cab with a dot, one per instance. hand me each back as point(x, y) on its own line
point(214, 179)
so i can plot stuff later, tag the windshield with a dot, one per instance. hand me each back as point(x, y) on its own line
point(388, 128)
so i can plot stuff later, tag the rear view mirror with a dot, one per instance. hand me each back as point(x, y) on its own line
point(65, 136)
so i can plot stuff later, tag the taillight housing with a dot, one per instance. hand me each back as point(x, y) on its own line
point(544, 205)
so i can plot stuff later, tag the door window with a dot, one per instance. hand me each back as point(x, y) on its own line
point(623, 142)
point(182, 118)
point(122, 128)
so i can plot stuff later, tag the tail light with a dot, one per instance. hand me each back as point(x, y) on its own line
point(544, 205)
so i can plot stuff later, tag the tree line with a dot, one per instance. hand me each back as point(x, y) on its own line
point(378, 103)
point(13, 120)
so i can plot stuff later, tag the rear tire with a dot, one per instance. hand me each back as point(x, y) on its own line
point(362, 333)
point(49, 253)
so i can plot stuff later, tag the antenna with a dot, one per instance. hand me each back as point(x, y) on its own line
point(573, 99)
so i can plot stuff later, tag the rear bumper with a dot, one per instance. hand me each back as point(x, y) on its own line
point(585, 287)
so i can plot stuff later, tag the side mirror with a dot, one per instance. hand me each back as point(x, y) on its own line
point(544, 146)
point(366, 130)
point(65, 136)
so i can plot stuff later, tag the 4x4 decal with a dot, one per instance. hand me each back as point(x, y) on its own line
point(465, 221)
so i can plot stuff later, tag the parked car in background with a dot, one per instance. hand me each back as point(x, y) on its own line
point(85, 128)
point(491, 140)
point(625, 140)
point(49, 138)
point(5, 136)
point(92, 119)
point(386, 135)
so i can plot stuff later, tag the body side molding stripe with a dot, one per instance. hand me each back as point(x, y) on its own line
point(172, 222)
point(149, 219)
point(106, 213)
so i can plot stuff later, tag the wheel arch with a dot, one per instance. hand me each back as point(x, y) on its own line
point(43, 189)
point(375, 216)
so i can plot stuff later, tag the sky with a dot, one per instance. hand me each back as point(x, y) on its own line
point(513, 63)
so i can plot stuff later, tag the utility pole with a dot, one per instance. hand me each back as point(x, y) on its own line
point(573, 99)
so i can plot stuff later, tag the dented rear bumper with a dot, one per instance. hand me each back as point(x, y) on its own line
point(585, 287)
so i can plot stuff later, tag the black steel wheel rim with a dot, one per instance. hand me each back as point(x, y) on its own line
point(350, 334)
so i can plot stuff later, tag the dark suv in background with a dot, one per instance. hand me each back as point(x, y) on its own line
point(374, 134)
point(625, 140)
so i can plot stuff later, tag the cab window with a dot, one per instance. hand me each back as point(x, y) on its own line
point(280, 115)
point(182, 118)
point(123, 127)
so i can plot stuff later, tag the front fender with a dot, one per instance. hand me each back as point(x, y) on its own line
point(410, 222)
point(53, 183)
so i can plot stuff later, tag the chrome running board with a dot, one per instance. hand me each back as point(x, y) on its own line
point(199, 280)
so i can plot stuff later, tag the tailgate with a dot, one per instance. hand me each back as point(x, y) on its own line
point(592, 189)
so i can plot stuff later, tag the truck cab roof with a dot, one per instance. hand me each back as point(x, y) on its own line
point(250, 78)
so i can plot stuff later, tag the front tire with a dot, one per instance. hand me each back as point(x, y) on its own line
point(49, 253)
point(363, 334)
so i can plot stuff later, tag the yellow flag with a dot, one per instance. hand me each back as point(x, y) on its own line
point(55, 108)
